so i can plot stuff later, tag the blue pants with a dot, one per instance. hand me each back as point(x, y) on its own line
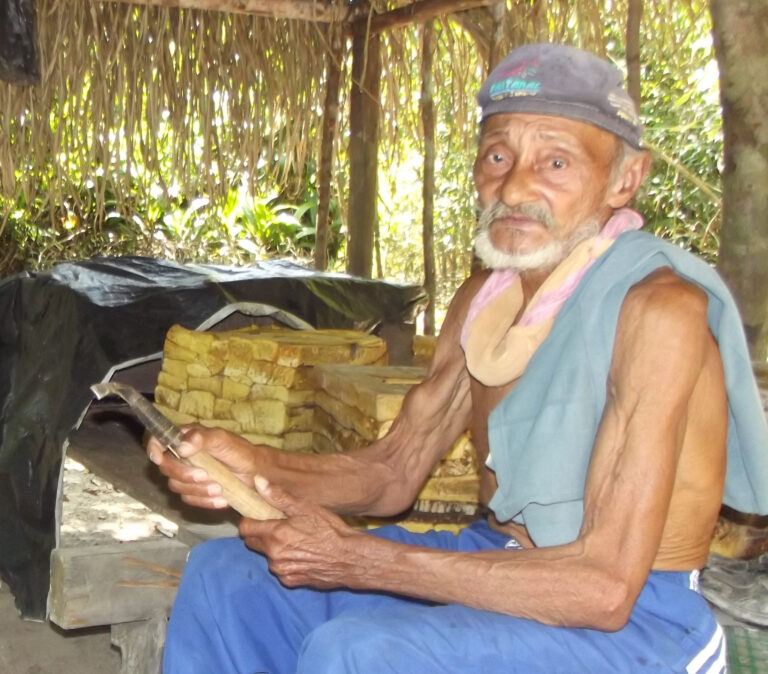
point(232, 615)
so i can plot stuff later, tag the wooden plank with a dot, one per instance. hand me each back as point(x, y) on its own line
point(376, 392)
point(418, 12)
point(109, 584)
point(302, 10)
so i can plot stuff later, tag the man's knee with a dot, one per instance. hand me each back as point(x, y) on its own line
point(352, 644)
point(332, 648)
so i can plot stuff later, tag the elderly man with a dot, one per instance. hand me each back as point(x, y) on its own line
point(597, 368)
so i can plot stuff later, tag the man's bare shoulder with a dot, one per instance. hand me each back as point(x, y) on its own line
point(665, 298)
point(460, 303)
point(448, 352)
point(662, 339)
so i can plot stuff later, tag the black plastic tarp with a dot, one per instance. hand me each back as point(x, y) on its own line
point(19, 61)
point(65, 329)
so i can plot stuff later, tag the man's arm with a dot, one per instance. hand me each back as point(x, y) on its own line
point(662, 345)
point(381, 479)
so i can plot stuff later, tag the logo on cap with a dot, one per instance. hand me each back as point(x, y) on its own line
point(519, 81)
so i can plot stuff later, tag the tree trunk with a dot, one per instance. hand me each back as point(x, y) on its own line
point(740, 30)
point(363, 150)
point(325, 165)
point(634, 19)
point(428, 214)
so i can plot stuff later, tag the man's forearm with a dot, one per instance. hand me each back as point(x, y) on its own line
point(383, 478)
point(557, 586)
point(347, 483)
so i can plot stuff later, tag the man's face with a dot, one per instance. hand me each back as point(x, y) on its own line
point(542, 182)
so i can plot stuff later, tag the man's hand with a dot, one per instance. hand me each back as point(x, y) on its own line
point(194, 484)
point(313, 546)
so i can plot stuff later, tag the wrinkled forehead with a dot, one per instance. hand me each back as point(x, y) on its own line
point(531, 128)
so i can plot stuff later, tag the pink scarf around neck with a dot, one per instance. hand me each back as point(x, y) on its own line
point(497, 350)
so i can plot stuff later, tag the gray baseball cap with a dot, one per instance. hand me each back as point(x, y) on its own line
point(555, 79)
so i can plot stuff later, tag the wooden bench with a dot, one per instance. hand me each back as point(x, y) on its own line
point(130, 585)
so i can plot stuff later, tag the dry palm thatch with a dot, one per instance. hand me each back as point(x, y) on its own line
point(158, 97)
point(148, 99)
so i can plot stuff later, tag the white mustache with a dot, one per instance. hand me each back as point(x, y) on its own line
point(499, 210)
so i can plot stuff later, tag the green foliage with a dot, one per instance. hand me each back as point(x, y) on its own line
point(132, 207)
point(306, 199)
point(242, 229)
point(272, 227)
point(683, 127)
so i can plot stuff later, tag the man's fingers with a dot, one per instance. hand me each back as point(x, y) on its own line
point(155, 450)
point(217, 503)
point(252, 530)
point(155, 455)
point(275, 496)
point(204, 489)
point(172, 468)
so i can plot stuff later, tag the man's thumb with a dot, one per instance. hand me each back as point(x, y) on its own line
point(273, 494)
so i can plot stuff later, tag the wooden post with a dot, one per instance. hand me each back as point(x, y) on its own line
point(634, 19)
point(428, 213)
point(363, 149)
point(325, 165)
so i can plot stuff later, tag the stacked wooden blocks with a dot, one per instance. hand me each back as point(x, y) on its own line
point(423, 350)
point(254, 382)
point(312, 390)
point(356, 405)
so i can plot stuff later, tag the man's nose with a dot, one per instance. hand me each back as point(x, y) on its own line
point(519, 185)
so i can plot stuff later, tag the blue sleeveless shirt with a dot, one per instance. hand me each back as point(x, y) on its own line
point(542, 433)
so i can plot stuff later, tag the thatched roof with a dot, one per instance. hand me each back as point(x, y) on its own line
point(160, 96)
point(132, 79)
point(126, 79)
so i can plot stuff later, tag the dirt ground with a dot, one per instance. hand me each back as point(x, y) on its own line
point(28, 647)
point(93, 513)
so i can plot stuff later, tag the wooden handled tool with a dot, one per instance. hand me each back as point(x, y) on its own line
point(240, 496)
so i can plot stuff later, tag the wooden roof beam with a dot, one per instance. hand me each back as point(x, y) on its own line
point(418, 12)
point(324, 12)
point(301, 10)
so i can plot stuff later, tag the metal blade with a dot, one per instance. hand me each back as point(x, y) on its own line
point(168, 433)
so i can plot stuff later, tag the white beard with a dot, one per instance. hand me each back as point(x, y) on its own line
point(546, 257)
point(493, 258)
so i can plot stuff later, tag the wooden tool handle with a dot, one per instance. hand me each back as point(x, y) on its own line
point(242, 498)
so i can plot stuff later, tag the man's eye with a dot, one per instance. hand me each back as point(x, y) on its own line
point(558, 163)
point(496, 157)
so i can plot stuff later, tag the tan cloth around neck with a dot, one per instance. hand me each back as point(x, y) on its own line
point(497, 347)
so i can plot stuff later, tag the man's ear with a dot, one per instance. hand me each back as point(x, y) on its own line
point(629, 178)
